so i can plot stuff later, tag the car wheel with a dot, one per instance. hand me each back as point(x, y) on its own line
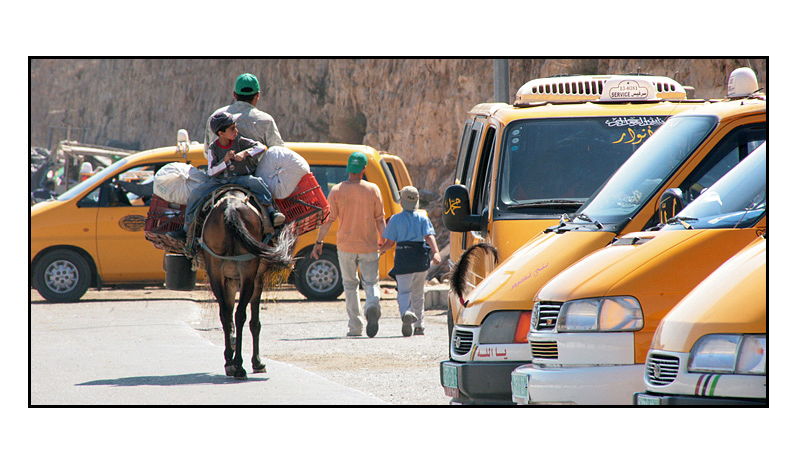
point(320, 279)
point(62, 276)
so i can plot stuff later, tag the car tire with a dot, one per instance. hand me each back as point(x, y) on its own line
point(319, 279)
point(62, 276)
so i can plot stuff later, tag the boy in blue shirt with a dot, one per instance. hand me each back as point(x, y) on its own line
point(414, 236)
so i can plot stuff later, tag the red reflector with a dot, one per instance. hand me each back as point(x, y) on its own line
point(451, 392)
point(522, 329)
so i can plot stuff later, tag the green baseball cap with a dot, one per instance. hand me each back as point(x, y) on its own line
point(247, 84)
point(357, 162)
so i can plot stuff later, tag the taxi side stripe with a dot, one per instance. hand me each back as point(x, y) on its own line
point(714, 382)
point(706, 382)
point(698, 384)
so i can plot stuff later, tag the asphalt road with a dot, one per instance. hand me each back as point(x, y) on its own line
point(153, 346)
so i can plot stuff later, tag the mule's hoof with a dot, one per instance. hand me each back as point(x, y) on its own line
point(241, 374)
point(259, 369)
point(230, 370)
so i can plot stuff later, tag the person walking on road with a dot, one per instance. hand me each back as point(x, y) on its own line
point(357, 205)
point(252, 123)
point(414, 236)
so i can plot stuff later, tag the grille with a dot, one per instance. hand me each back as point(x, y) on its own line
point(661, 369)
point(544, 349)
point(545, 317)
point(462, 342)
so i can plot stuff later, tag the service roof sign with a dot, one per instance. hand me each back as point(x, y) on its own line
point(641, 88)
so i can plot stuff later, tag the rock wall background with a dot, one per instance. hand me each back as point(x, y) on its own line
point(413, 108)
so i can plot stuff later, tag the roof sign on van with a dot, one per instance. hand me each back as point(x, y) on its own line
point(641, 88)
point(600, 88)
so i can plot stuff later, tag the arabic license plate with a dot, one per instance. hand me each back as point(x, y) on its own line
point(450, 387)
point(647, 400)
point(520, 393)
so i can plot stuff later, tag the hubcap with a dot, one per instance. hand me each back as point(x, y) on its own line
point(322, 276)
point(61, 276)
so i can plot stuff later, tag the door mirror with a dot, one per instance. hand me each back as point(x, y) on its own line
point(671, 203)
point(457, 210)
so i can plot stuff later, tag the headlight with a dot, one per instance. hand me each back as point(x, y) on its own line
point(505, 327)
point(740, 354)
point(615, 314)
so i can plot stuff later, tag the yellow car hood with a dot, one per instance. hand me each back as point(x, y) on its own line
point(733, 299)
point(655, 263)
point(514, 284)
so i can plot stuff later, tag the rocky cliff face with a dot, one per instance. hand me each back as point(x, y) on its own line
point(413, 108)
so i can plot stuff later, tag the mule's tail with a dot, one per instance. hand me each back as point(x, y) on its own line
point(279, 255)
point(457, 277)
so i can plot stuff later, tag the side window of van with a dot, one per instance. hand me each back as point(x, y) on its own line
point(466, 141)
point(476, 136)
point(724, 156)
point(483, 180)
point(133, 187)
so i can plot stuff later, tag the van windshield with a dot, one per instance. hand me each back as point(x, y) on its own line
point(553, 162)
point(738, 200)
point(633, 185)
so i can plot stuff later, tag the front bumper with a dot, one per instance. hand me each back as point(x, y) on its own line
point(582, 385)
point(478, 383)
point(653, 399)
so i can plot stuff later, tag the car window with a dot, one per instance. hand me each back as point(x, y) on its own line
point(329, 175)
point(132, 187)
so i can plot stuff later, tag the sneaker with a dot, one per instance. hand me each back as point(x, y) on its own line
point(353, 333)
point(418, 331)
point(372, 319)
point(179, 235)
point(277, 219)
point(407, 322)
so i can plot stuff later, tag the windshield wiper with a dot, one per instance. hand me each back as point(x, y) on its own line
point(546, 203)
point(585, 217)
point(682, 221)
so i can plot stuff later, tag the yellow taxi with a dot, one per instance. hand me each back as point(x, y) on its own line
point(521, 166)
point(691, 151)
point(592, 324)
point(92, 234)
point(711, 349)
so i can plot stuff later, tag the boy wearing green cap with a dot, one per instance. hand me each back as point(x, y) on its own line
point(252, 123)
point(357, 205)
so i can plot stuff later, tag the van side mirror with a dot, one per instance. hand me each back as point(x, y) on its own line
point(671, 202)
point(457, 210)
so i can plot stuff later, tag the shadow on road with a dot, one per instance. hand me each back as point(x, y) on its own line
point(171, 380)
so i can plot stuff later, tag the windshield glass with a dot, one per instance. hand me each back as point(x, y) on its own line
point(737, 200)
point(547, 162)
point(632, 186)
point(85, 184)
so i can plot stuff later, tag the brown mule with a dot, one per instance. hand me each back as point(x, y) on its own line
point(236, 260)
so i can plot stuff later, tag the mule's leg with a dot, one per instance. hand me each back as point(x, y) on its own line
point(254, 325)
point(225, 314)
point(244, 295)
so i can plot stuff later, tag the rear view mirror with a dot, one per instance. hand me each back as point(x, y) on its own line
point(457, 210)
point(671, 203)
